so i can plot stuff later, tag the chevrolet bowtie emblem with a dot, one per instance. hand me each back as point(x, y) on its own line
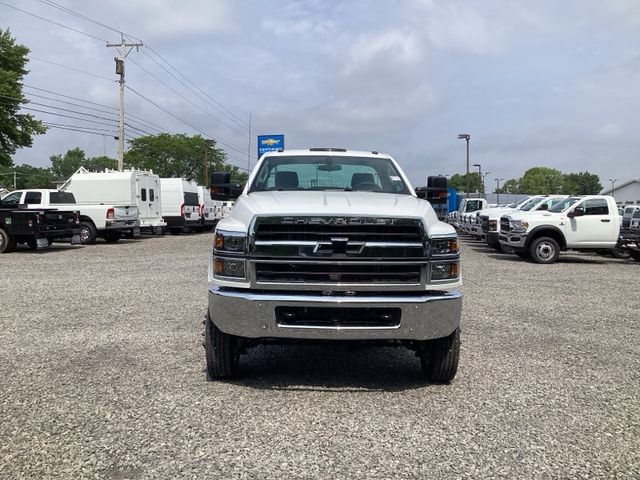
point(339, 245)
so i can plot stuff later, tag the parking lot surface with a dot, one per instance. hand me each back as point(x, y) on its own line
point(102, 376)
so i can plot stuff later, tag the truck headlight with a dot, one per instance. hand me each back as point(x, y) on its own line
point(493, 225)
point(444, 246)
point(229, 241)
point(229, 267)
point(445, 271)
point(519, 225)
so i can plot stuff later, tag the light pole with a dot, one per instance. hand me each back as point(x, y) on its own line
point(498, 180)
point(479, 174)
point(613, 187)
point(484, 183)
point(466, 137)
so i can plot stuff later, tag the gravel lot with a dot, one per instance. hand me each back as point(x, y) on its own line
point(102, 376)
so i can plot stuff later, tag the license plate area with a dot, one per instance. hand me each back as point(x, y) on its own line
point(42, 243)
point(338, 317)
point(75, 240)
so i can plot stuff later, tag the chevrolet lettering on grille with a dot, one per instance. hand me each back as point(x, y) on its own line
point(338, 221)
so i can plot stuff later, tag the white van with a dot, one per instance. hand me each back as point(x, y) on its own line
point(180, 204)
point(136, 187)
point(207, 209)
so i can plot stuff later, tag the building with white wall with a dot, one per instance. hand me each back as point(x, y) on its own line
point(625, 193)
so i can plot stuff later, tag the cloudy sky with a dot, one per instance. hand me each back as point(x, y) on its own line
point(534, 83)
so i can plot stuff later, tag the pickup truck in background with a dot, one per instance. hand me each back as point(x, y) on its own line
point(332, 245)
point(490, 218)
point(96, 220)
point(588, 223)
point(36, 228)
point(467, 205)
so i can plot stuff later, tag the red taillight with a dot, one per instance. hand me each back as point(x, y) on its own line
point(182, 209)
point(202, 210)
point(76, 215)
point(111, 214)
point(37, 218)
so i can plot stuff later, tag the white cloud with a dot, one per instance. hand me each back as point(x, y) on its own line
point(390, 47)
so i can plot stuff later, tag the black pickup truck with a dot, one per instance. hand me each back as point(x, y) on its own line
point(36, 228)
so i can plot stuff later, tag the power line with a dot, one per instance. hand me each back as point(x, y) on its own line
point(79, 15)
point(183, 121)
point(186, 99)
point(79, 127)
point(54, 22)
point(78, 130)
point(70, 68)
point(140, 119)
point(68, 116)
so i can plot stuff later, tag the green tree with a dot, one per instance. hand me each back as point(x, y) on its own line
point(459, 182)
point(510, 186)
point(541, 180)
point(179, 155)
point(100, 163)
point(582, 183)
point(16, 129)
point(27, 176)
point(63, 166)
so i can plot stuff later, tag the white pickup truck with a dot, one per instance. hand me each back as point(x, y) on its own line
point(96, 220)
point(576, 223)
point(332, 245)
point(490, 218)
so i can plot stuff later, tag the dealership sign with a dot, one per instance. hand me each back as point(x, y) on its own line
point(270, 143)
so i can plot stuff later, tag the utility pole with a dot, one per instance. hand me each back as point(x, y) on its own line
point(123, 49)
point(206, 162)
point(466, 137)
point(249, 148)
point(14, 180)
point(498, 180)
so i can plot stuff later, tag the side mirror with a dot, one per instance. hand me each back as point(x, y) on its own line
point(576, 212)
point(221, 188)
point(421, 192)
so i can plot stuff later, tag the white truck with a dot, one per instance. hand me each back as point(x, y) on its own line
point(208, 208)
point(108, 221)
point(587, 223)
point(467, 206)
point(332, 245)
point(490, 218)
point(129, 187)
point(180, 205)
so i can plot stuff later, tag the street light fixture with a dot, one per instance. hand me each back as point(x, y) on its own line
point(498, 180)
point(466, 137)
point(484, 183)
point(613, 187)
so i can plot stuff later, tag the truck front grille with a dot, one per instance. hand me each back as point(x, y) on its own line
point(323, 229)
point(484, 221)
point(504, 224)
point(338, 273)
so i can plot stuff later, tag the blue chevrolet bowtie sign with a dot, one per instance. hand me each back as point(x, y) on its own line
point(270, 143)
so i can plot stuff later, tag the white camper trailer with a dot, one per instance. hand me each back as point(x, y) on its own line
point(207, 209)
point(132, 186)
point(180, 205)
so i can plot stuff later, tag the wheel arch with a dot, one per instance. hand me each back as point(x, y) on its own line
point(547, 231)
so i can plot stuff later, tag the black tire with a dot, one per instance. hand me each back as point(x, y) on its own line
point(635, 254)
point(544, 250)
point(88, 233)
point(112, 237)
point(496, 247)
point(7, 242)
point(620, 253)
point(221, 351)
point(440, 360)
point(523, 254)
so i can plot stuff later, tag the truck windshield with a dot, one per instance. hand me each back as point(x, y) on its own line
point(328, 172)
point(530, 204)
point(61, 197)
point(563, 205)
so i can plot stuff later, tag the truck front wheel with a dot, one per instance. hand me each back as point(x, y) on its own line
point(440, 359)
point(7, 242)
point(222, 352)
point(544, 250)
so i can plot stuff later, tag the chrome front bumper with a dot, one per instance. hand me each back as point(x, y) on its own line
point(424, 315)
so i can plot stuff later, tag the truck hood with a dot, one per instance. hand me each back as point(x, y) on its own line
point(533, 217)
point(496, 212)
point(323, 203)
